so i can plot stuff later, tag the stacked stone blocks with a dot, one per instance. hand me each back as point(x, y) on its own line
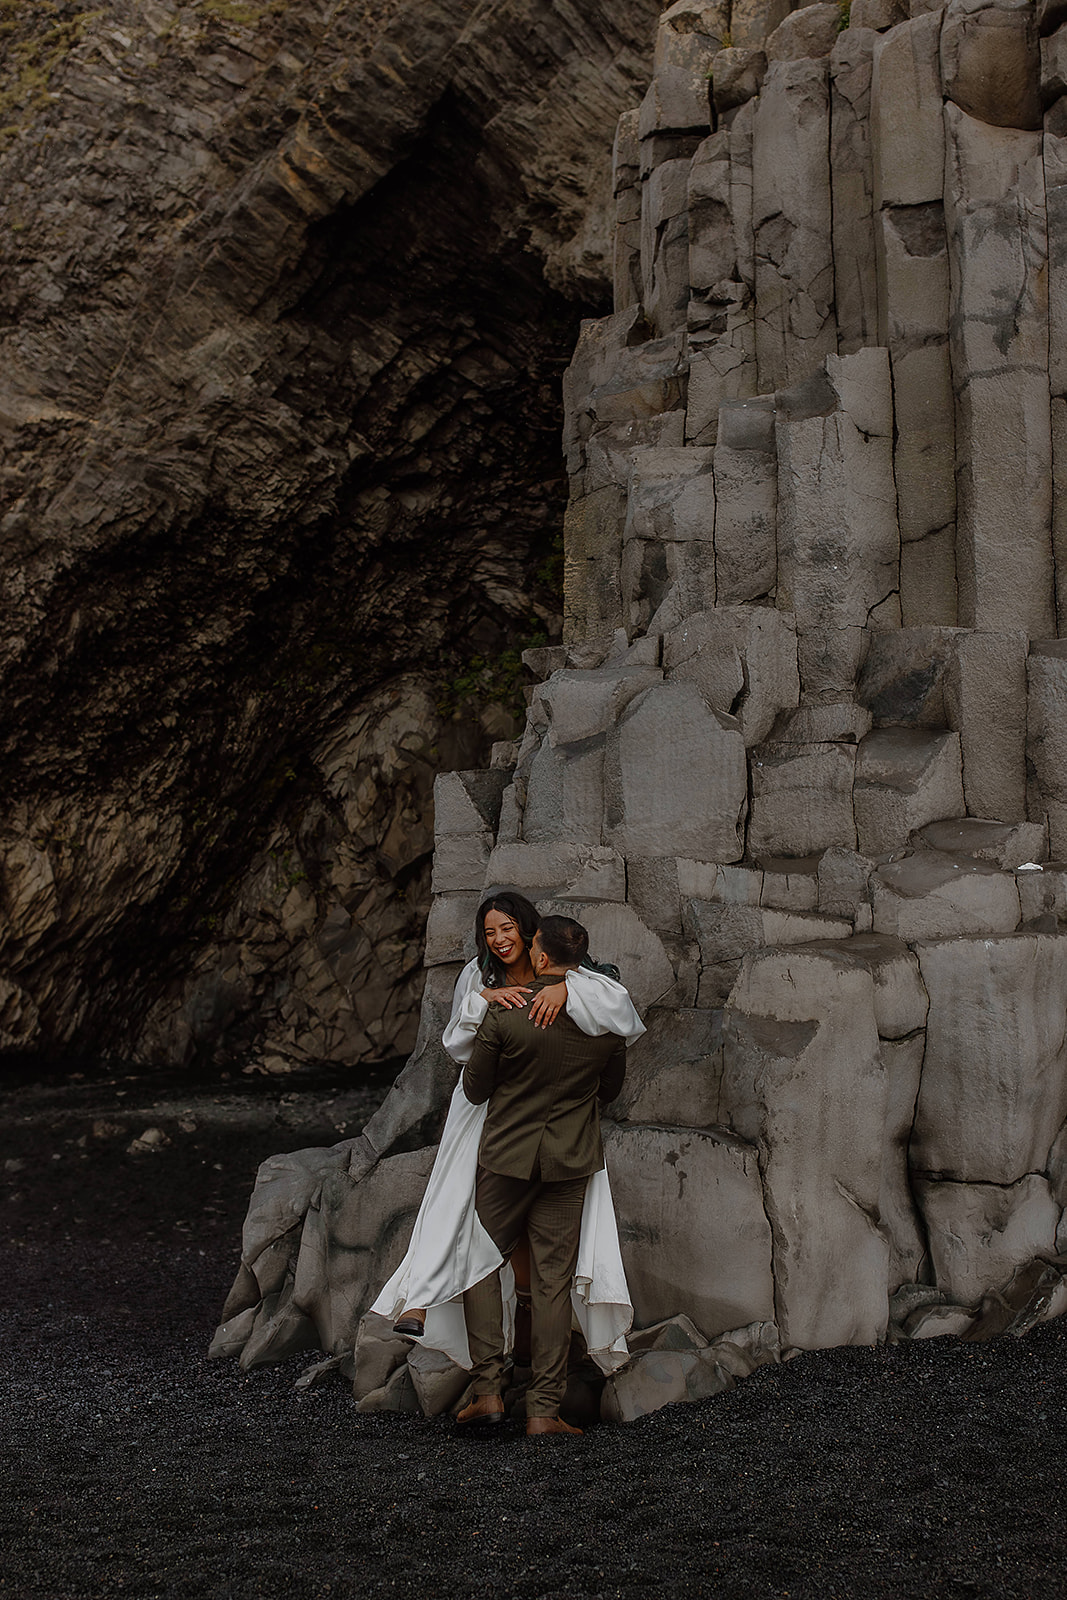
point(800, 763)
point(815, 608)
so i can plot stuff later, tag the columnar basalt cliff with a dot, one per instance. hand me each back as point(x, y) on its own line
point(799, 764)
point(287, 291)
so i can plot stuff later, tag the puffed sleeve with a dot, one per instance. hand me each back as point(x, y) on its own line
point(600, 1005)
point(468, 1009)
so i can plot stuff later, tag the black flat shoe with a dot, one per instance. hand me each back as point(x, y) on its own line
point(412, 1324)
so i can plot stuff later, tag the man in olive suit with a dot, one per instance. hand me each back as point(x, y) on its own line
point(540, 1146)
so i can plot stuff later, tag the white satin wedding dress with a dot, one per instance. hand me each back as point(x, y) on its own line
point(450, 1251)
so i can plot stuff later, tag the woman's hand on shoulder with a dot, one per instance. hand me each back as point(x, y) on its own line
point(549, 1003)
point(515, 996)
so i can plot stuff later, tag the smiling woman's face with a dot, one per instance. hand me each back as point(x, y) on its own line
point(503, 937)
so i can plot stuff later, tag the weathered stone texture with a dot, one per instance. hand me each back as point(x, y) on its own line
point(908, 142)
point(665, 241)
point(986, 697)
point(1054, 160)
point(668, 565)
point(701, 1242)
point(727, 932)
point(1006, 845)
point(676, 781)
point(879, 14)
point(907, 135)
point(933, 896)
point(805, 1081)
point(626, 177)
point(981, 1234)
point(563, 794)
point(712, 256)
point(852, 188)
point(897, 1209)
point(995, 212)
point(838, 544)
point(971, 682)
point(753, 21)
point(802, 798)
point(837, 721)
point(673, 1071)
point(914, 324)
point(990, 62)
point(658, 1378)
point(746, 495)
point(573, 871)
point(328, 1266)
point(904, 778)
point(617, 378)
point(737, 77)
point(580, 705)
point(743, 659)
point(466, 804)
point(1046, 740)
point(673, 1361)
point(690, 35)
point(1059, 508)
point(810, 30)
point(791, 220)
point(722, 368)
point(843, 878)
point(994, 1086)
point(1042, 895)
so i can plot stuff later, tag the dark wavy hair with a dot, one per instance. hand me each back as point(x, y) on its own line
point(522, 913)
point(527, 919)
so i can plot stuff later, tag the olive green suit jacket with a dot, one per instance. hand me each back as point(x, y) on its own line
point(544, 1087)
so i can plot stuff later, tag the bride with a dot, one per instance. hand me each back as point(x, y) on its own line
point(450, 1251)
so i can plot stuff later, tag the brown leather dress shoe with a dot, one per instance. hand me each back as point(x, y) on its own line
point(412, 1324)
point(539, 1425)
point(484, 1411)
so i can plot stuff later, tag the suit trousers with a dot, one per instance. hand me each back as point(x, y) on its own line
point(552, 1216)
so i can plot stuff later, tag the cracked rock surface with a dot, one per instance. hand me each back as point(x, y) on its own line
point(831, 796)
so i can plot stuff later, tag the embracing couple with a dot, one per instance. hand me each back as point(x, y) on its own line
point(517, 1225)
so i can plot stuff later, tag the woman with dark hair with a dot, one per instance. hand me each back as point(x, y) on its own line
point(449, 1249)
point(501, 974)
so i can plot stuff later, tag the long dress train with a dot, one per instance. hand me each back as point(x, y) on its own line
point(450, 1251)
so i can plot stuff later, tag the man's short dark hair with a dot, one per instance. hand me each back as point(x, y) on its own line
point(564, 941)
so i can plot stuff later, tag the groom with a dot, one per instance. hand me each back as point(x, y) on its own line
point(540, 1146)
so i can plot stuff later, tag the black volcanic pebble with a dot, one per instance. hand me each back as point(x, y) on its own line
point(134, 1466)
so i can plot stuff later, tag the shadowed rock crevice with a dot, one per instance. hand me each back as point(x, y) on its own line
point(280, 405)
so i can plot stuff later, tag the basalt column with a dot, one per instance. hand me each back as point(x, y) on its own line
point(799, 763)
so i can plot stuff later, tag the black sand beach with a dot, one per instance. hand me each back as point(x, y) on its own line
point(134, 1466)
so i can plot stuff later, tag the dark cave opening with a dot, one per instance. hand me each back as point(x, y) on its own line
point(201, 654)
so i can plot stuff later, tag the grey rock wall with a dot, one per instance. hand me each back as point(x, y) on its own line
point(814, 703)
point(285, 292)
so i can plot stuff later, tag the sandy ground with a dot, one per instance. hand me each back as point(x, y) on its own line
point(134, 1466)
